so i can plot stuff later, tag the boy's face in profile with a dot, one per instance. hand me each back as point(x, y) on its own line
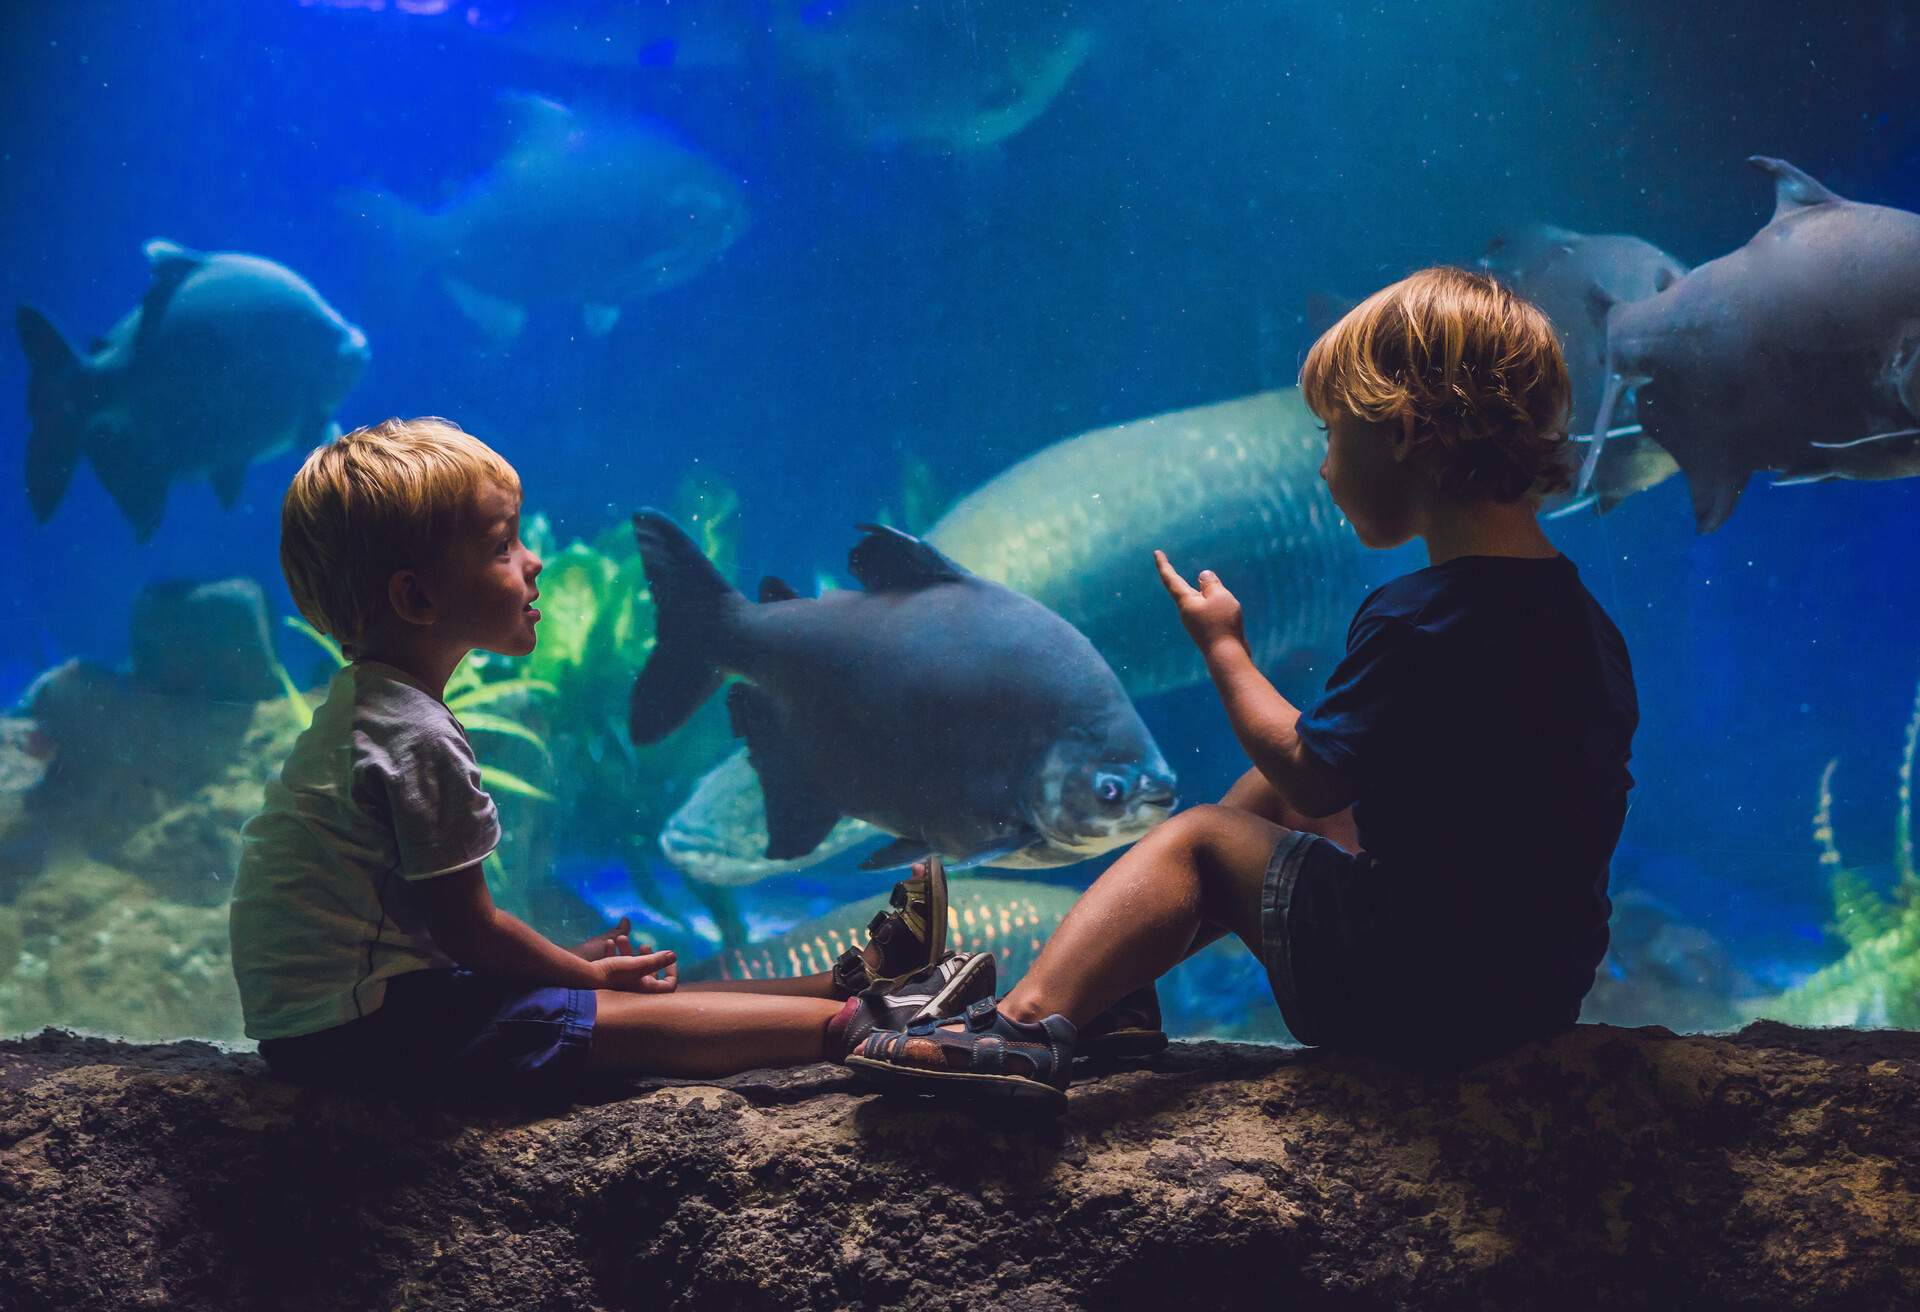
point(487, 583)
point(1367, 471)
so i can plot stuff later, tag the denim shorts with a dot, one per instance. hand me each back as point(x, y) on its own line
point(1353, 967)
point(449, 1026)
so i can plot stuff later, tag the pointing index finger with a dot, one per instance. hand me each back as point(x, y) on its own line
point(1169, 576)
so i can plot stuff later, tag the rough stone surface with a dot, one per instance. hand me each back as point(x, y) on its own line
point(1774, 1168)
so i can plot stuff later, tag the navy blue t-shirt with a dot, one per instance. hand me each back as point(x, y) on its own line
point(1485, 712)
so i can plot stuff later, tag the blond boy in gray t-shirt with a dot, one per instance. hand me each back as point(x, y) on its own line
point(365, 942)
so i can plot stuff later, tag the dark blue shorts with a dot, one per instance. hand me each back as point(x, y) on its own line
point(449, 1026)
point(1352, 967)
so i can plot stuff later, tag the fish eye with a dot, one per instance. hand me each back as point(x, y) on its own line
point(1108, 789)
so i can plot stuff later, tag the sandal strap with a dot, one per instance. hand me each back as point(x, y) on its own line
point(850, 975)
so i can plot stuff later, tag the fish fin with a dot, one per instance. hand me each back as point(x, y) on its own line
point(1617, 385)
point(1714, 496)
point(169, 264)
point(1867, 440)
point(1634, 463)
point(497, 317)
point(1573, 507)
point(900, 852)
point(1894, 454)
point(137, 481)
point(797, 820)
point(773, 589)
point(887, 560)
point(987, 856)
point(1793, 188)
point(53, 446)
point(227, 481)
point(1599, 302)
point(599, 319)
point(689, 600)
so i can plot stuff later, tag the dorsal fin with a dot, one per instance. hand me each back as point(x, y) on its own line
point(773, 589)
point(168, 264)
point(888, 560)
point(1792, 189)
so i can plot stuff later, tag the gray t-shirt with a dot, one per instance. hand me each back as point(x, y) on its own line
point(381, 791)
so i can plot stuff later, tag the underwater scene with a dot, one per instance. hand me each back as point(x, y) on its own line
point(1028, 282)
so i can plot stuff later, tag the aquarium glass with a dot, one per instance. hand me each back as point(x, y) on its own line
point(782, 268)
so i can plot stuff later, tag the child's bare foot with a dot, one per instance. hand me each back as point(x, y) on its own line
point(903, 941)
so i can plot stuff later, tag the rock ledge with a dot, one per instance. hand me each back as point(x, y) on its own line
point(1628, 1168)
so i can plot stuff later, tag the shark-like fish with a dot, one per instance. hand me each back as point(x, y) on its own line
point(1798, 352)
point(228, 359)
point(1234, 485)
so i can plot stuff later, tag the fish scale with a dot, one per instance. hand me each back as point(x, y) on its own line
point(1010, 918)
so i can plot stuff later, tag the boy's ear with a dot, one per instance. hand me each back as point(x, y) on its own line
point(407, 593)
point(1401, 435)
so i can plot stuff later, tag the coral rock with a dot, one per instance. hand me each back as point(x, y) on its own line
point(1774, 1168)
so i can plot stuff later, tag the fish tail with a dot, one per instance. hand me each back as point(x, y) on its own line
point(54, 403)
point(691, 604)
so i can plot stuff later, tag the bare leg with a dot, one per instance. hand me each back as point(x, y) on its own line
point(707, 1032)
point(1204, 868)
point(803, 986)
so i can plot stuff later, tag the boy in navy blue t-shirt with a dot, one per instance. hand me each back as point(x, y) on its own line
point(1420, 860)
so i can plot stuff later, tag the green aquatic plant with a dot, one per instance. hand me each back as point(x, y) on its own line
point(1877, 980)
point(596, 632)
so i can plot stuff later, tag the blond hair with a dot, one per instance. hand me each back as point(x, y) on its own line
point(1476, 366)
point(381, 498)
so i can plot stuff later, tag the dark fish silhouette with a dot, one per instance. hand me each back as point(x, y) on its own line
point(229, 358)
point(587, 210)
point(953, 712)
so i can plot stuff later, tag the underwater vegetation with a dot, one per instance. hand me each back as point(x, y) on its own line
point(1877, 981)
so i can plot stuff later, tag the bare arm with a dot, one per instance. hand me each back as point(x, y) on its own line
point(479, 935)
point(1264, 722)
point(1262, 719)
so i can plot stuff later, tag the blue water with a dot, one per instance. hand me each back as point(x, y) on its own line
point(1148, 242)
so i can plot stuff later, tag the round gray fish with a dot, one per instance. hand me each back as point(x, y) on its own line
point(1234, 485)
point(229, 358)
point(1798, 352)
point(586, 210)
point(946, 709)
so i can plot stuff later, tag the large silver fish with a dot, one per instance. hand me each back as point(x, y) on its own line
point(228, 359)
point(590, 211)
point(948, 710)
point(1233, 486)
point(1798, 352)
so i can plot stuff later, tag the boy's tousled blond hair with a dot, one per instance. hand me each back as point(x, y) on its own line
point(1476, 366)
point(381, 498)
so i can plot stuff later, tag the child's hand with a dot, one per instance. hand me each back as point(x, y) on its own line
point(1210, 612)
point(644, 972)
point(615, 942)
